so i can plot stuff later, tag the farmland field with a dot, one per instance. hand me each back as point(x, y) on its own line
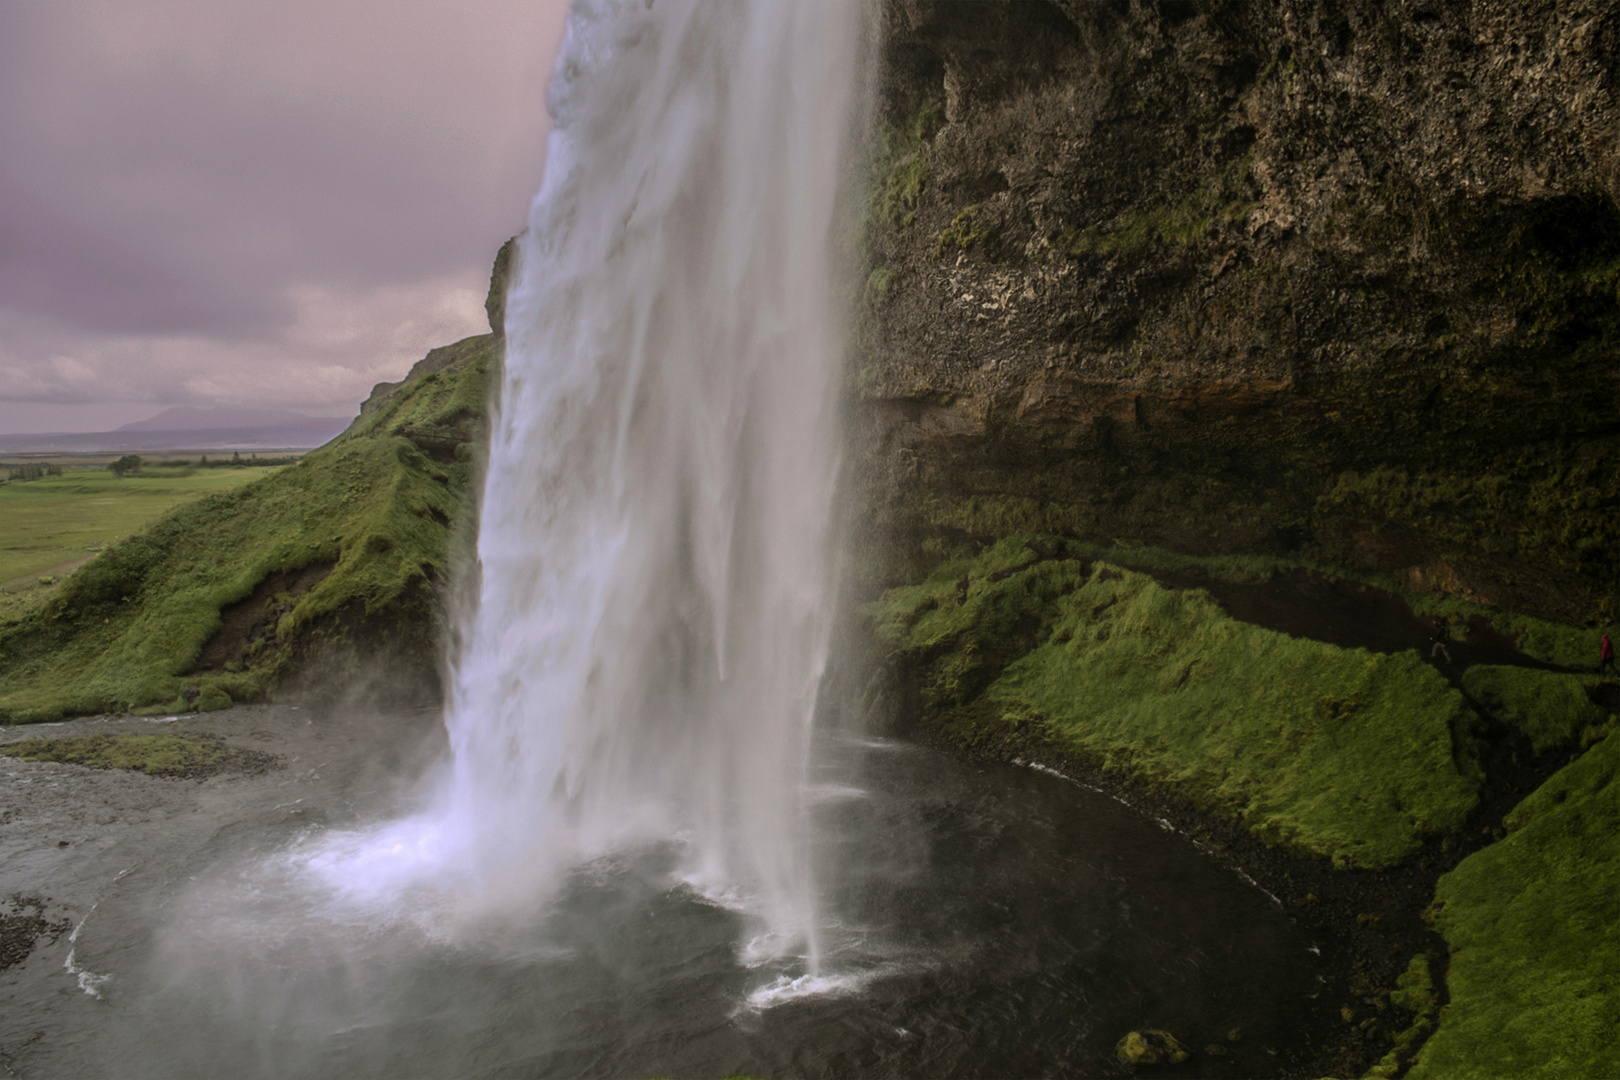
point(51, 525)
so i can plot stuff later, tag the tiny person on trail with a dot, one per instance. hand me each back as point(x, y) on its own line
point(1606, 656)
point(1441, 635)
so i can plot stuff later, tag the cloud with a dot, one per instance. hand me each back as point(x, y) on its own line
point(237, 200)
point(338, 344)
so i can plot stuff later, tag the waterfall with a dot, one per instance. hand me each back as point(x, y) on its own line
point(655, 544)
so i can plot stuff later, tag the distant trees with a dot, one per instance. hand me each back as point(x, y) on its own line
point(32, 471)
point(238, 461)
point(129, 463)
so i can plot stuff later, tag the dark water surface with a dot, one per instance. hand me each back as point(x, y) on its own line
point(982, 921)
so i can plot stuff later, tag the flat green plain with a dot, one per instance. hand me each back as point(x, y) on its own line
point(49, 525)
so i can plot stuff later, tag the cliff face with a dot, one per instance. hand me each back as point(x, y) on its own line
point(1341, 280)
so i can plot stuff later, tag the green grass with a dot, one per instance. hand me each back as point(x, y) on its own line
point(155, 755)
point(987, 517)
point(1564, 519)
point(1414, 992)
point(125, 631)
point(1551, 708)
point(1533, 924)
point(991, 516)
point(1333, 752)
point(57, 519)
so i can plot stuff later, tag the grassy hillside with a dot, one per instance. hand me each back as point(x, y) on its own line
point(50, 525)
point(1533, 923)
point(327, 568)
point(1344, 753)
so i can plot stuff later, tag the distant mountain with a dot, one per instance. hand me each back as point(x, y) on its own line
point(190, 418)
point(205, 430)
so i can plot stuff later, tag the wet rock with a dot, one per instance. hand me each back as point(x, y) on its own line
point(22, 923)
point(1168, 275)
point(1150, 1046)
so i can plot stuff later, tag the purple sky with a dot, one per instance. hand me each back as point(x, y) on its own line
point(239, 202)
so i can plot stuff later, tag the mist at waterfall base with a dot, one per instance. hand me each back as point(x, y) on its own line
point(637, 855)
point(655, 543)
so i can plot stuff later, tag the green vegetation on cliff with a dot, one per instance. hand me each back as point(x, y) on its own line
point(1208, 290)
point(1533, 924)
point(225, 597)
point(1335, 752)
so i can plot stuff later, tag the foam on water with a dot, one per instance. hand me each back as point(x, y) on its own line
point(786, 988)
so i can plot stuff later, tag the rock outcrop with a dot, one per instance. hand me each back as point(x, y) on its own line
point(1286, 303)
point(1284, 276)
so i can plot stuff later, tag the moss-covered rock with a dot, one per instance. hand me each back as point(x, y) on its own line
point(1273, 276)
point(1343, 753)
point(328, 570)
point(1415, 992)
point(1553, 710)
point(1287, 280)
point(1150, 1046)
point(1533, 924)
point(189, 756)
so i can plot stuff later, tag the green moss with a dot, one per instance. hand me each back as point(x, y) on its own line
point(212, 698)
point(1565, 519)
point(1552, 709)
point(901, 166)
point(1335, 752)
point(1415, 992)
point(960, 233)
point(155, 755)
point(1181, 224)
point(1561, 260)
point(1225, 201)
point(990, 517)
point(126, 629)
point(877, 287)
point(1150, 1047)
point(1533, 925)
point(1553, 642)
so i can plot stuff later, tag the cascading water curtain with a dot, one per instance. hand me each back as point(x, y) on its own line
point(656, 539)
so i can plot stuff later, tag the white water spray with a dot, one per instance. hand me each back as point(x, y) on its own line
point(655, 546)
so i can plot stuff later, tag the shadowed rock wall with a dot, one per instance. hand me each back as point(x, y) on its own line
point(1277, 276)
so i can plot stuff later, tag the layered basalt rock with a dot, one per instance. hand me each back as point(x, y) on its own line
point(1341, 280)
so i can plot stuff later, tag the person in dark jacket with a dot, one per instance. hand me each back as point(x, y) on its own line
point(1441, 635)
point(1606, 656)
